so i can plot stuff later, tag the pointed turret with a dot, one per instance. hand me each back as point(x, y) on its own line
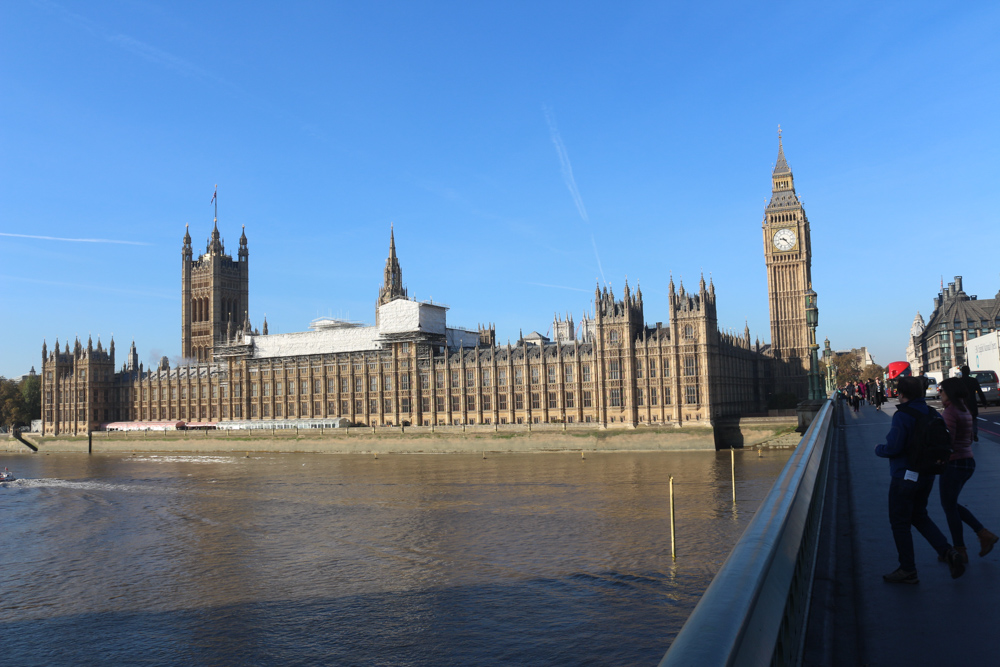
point(244, 251)
point(215, 245)
point(392, 282)
point(45, 350)
point(90, 344)
point(263, 329)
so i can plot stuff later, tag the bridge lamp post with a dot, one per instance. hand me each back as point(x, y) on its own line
point(812, 320)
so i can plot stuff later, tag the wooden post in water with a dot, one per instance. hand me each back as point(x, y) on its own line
point(732, 458)
point(673, 532)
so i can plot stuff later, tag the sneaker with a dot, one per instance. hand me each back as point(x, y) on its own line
point(955, 564)
point(901, 576)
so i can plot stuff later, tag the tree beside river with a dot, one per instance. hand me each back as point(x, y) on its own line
point(20, 402)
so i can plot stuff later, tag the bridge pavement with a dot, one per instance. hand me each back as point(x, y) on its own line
point(940, 621)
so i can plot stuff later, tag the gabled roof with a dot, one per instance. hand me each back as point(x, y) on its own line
point(960, 308)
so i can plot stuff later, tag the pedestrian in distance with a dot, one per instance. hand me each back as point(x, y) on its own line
point(852, 395)
point(909, 489)
point(879, 394)
point(861, 392)
point(973, 389)
point(959, 470)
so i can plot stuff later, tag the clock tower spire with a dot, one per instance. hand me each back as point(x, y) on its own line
point(788, 257)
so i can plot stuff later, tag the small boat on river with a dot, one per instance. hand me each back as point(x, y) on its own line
point(7, 476)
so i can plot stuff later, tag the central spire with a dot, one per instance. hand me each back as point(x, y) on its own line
point(782, 181)
point(781, 165)
point(392, 283)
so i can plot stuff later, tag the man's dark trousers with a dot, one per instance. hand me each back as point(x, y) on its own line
point(908, 507)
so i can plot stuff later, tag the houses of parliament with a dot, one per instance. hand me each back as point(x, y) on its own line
point(410, 368)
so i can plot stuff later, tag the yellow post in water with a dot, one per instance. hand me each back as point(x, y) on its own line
point(673, 532)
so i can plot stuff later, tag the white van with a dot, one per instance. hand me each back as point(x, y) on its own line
point(933, 379)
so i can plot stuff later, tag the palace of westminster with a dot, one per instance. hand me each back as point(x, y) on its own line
point(410, 368)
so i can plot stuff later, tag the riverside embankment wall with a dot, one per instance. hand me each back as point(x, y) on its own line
point(416, 439)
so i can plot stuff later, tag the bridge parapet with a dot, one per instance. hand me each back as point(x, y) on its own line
point(755, 610)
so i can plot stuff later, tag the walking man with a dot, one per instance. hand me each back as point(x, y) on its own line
point(909, 490)
point(973, 392)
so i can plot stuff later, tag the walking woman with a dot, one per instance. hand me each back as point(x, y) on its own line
point(960, 469)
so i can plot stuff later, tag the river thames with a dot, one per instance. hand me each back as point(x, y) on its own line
point(519, 559)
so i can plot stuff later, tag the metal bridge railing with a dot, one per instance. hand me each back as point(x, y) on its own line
point(755, 609)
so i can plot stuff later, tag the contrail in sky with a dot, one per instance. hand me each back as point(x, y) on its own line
point(170, 61)
point(567, 172)
point(57, 238)
point(130, 44)
point(564, 163)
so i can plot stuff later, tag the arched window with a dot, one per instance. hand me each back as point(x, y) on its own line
point(613, 336)
point(688, 331)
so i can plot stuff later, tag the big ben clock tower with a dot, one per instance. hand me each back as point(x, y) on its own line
point(788, 256)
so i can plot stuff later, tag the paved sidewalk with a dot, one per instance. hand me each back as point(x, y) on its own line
point(940, 621)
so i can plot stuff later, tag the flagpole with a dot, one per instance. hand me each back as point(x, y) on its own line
point(215, 199)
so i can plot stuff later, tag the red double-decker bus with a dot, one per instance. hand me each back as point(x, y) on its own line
point(894, 371)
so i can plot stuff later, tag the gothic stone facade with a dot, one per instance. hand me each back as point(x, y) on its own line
point(215, 294)
point(939, 345)
point(788, 256)
point(631, 374)
point(411, 368)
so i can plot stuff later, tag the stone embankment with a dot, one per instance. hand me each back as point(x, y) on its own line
point(422, 439)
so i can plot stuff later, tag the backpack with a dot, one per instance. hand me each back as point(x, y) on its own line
point(928, 449)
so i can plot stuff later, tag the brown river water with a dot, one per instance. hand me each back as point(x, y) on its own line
point(296, 559)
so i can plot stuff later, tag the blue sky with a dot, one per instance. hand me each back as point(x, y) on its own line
point(460, 123)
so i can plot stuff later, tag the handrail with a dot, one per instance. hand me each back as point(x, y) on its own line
point(754, 611)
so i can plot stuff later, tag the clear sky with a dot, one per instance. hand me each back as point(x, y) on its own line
point(523, 151)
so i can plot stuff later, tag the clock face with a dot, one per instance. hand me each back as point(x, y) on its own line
point(784, 239)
